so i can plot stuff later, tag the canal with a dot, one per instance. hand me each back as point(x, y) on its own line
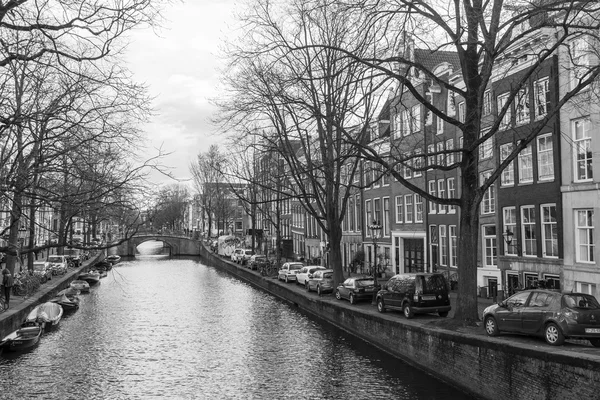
point(166, 328)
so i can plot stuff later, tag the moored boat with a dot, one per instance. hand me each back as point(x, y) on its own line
point(91, 277)
point(68, 303)
point(22, 339)
point(48, 315)
point(113, 259)
point(80, 285)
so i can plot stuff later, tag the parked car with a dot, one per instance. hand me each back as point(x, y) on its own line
point(58, 264)
point(418, 293)
point(74, 256)
point(321, 281)
point(356, 288)
point(236, 253)
point(243, 257)
point(256, 261)
point(553, 315)
point(40, 269)
point(288, 271)
point(305, 273)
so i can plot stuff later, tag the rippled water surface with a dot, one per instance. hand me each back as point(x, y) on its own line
point(177, 329)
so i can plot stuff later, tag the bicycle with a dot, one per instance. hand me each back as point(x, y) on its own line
point(3, 306)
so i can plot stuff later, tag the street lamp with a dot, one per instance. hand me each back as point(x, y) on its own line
point(508, 237)
point(375, 229)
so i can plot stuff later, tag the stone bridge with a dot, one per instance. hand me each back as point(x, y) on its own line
point(178, 245)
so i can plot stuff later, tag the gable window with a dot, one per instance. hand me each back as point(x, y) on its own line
point(541, 97)
point(584, 231)
point(399, 209)
point(545, 158)
point(522, 107)
point(583, 149)
point(549, 231)
point(526, 165)
point(501, 102)
point(528, 230)
point(508, 174)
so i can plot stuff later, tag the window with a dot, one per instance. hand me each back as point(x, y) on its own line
point(399, 209)
point(461, 111)
point(440, 156)
point(522, 108)
point(439, 126)
point(443, 245)
point(526, 165)
point(549, 231)
point(431, 155)
point(510, 225)
point(541, 98)
point(451, 104)
point(486, 148)
point(453, 246)
point(450, 155)
point(545, 158)
point(416, 118)
point(488, 203)
point(386, 216)
point(501, 101)
point(580, 61)
point(441, 186)
point(489, 245)
point(451, 193)
point(583, 150)
point(460, 147)
point(428, 115)
point(418, 208)
point(376, 210)
point(432, 208)
point(405, 123)
point(368, 212)
point(358, 213)
point(351, 210)
point(397, 121)
point(487, 102)
point(408, 208)
point(418, 163)
point(508, 174)
point(528, 230)
point(368, 174)
point(584, 230)
point(406, 166)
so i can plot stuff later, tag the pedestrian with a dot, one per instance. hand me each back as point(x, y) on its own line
point(7, 284)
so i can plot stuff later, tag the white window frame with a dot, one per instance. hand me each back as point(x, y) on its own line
point(581, 142)
point(451, 194)
point(489, 245)
point(487, 102)
point(443, 243)
point(545, 157)
point(399, 209)
point(430, 155)
point(453, 249)
point(508, 174)
point(488, 202)
point(406, 170)
point(450, 155)
point(509, 221)
point(500, 102)
point(432, 191)
point(408, 208)
point(418, 163)
point(440, 153)
point(439, 125)
point(386, 216)
point(525, 162)
point(418, 208)
point(461, 111)
point(584, 236)
point(415, 118)
point(441, 190)
point(541, 95)
point(528, 244)
point(549, 225)
point(522, 111)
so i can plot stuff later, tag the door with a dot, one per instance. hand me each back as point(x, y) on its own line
point(512, 282)
point(532, 316)
point(509, 317)
point(414, 255)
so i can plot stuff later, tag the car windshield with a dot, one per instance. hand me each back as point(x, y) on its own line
point(581, 301)
point(295, 266)
point(54, 259)
point(365, 282)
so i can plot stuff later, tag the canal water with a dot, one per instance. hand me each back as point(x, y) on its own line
point(159, 328)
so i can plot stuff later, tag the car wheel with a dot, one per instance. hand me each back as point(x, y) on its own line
point(491, 328)
point(286, 279)
point(380, 306)
point(443, 314)
point(595, 342)
point(408, 312)
point(351, 299)
point(308, 287)
point(338, 295)
point(554, 335)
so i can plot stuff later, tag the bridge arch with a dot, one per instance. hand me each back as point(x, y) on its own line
point(179, 245)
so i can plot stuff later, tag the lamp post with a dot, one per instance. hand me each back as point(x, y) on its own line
point(508, 236)
point(375, 229)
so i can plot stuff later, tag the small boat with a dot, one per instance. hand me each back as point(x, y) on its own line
point(80, 285)
point(91, 277)
point(22, 339)
point(102, 273)
point(113, 259)
point(47, 315)
point(103, 265)
point(68, 303)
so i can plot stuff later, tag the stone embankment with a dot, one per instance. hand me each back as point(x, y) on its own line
point(489, 368)
point(20, 307)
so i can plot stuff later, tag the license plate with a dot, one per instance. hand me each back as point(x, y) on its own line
point(428, 297)
point(592, 330)
point(16, 342)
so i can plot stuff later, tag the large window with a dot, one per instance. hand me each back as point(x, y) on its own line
point(406, 166)
point(487, 102)
point(408, 208)
point(549, 231)
point(522, 107)
point(386, 216)
point(430, 155)
point(418, 163)
point(526, 165)
point(580, 60)
point(441, 186)
point(399, 209)
point(453, 246)
point(376, 210)
point(541, 97)
point(443, 245)
point(488, 203)
point(440, 153)
point(510, 228)
point(351, 214)
point(489, 245)
point(528, 231)
point(583, 149)
point(501, 102)
point(545, 158)
point(418, 208)
point(368, 212)
point(486, 149)
point(416, 118)
point(450, 155)
point(508, 174)
point(584, 230)
point(451, 193)
point(461, 111)
point(405, 123)
point(432, 208)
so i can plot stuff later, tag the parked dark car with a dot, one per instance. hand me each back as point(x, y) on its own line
point(553, 315)
point(256, 261)
point(417, 293)
point(321, 281)
point(355, 289)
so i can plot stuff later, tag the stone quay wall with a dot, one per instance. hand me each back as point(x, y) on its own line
point(480, 366)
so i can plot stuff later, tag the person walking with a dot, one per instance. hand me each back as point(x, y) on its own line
point(7, 284)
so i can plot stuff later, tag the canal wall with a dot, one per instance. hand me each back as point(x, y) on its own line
point(484, 367)
point(11, 319)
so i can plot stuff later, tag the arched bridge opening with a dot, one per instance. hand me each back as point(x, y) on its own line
point(176, 245)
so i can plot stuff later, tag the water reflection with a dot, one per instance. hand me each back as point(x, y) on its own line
point(163, 328)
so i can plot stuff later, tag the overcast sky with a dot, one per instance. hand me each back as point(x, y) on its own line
point(180, 68)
